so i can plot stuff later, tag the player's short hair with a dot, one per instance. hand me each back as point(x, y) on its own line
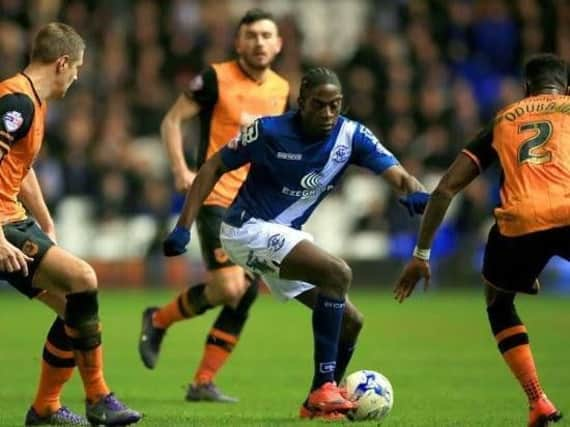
point(254, 15)
point(55, 40)
point(546, 71)
point(318, 76)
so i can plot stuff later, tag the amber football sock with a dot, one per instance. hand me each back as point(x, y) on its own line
point(190, 303)
point(57, 368)
point(84, 330)
point(514, 346)
point(219, 346)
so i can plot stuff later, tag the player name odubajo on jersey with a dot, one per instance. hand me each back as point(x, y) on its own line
point(531, 139)
point(289, 175)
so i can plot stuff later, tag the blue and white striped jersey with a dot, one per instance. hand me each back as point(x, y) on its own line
point(290, 174)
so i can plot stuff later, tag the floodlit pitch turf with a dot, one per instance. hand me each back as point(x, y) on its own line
point(436, 350)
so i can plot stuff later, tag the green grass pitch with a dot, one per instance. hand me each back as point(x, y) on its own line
point(436, 349)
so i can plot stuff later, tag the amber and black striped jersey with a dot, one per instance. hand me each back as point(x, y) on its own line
point(22, 119)
point(231, 100)
point(531, 140)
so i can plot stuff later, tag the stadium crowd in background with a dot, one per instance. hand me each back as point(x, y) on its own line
point(424, 75)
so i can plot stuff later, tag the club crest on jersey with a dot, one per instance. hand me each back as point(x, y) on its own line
point(311, 181)
point(275, 242)
point(341, 154)
point(13, 120)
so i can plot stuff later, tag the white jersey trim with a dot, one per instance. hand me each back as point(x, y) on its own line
point(334, 164)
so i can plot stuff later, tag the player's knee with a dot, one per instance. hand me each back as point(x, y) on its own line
point(231, 292)
point(82, 319)
point(501, 311)
point(83, 278)
point(248, 297)
point(340, 276)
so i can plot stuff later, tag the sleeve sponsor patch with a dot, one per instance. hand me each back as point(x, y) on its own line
point(250, 133)
point(12, 121)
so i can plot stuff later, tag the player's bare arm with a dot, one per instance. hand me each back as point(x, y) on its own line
point(401, 181)
point(206, 179)
point(459, 175)
point(413, 195)
point(171, 132)
point(32, 198)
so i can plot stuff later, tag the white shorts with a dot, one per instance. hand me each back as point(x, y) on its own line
point(260, 247)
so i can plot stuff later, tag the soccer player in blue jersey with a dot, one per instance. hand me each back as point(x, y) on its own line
point(296, 159)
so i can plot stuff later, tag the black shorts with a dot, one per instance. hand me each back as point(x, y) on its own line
point(208, 223)
point(513, 264)
point(27, 236)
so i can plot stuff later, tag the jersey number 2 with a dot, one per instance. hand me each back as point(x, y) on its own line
point(532, 149)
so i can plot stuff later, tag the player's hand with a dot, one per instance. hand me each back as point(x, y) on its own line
point(13, 259)
point(415, 270)
point(183, 179)
point(415, 202)
point(176, 242)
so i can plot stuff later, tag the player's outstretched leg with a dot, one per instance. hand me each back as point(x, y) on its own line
point(220, 343)
point(308, 263)
point(513, 343)
point(83, 326)
point(327, 320)
point(63, 271)
point(156, 321)
point(352, 321)
point(57, 368)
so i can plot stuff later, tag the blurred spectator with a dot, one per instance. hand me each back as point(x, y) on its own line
point(423, 74)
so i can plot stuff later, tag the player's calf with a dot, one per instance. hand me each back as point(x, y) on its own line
point(513, 342)
point(223, 337)
point(352, 323)
point(83, 327)
point(190, 303)
point(58, 363)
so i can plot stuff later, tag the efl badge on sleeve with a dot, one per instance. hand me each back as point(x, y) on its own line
point(196, 84)
point(13, 121)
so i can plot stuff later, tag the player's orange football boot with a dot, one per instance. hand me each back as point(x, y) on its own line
point(328, 398)
point(308, 414)
point(542, 412)
point(343, 391)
